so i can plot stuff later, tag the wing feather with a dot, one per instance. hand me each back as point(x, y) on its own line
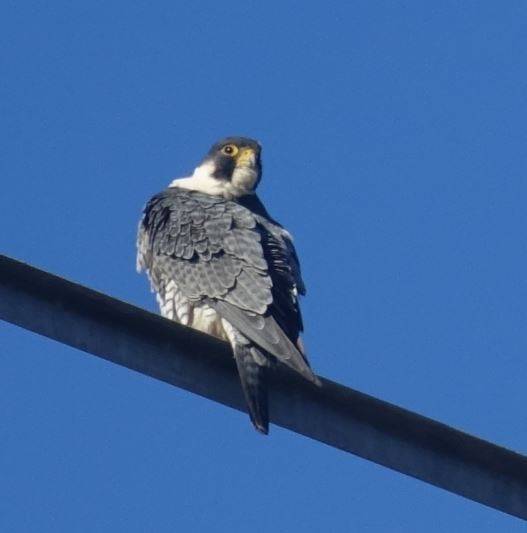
point(241, 263)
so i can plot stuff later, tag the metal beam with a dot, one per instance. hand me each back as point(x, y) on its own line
point(333, 414)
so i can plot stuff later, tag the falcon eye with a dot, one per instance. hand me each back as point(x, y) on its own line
point(230, 149)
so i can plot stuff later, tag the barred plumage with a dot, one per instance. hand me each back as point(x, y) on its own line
point(223, 266)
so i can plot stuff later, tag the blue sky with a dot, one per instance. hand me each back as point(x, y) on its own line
point(394, 150)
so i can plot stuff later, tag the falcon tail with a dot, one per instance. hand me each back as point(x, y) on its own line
point(253, 380)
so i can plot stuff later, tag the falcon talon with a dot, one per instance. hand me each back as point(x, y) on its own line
point(220, 264)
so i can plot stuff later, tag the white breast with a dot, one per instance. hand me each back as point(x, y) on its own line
point(175, 306)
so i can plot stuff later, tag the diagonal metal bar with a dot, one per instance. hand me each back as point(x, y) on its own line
point(333, 414)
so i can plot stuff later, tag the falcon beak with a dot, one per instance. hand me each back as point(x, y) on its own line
point(246, 158)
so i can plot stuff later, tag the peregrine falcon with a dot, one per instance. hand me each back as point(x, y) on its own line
point(220, 264)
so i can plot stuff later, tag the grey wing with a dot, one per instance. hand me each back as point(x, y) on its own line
point(208, 249)
point(284, 269)
point(212, 249)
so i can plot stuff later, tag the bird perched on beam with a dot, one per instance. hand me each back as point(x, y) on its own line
point(220, 264)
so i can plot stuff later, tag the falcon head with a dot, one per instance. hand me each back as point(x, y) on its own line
point(231, 169)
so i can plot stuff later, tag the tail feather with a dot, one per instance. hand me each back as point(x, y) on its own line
point(254, 386)
point(266, 333)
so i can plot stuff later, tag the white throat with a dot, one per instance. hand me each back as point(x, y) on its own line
point(243, 181)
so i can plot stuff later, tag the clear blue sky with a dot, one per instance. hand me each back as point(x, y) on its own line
point(395, 141)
